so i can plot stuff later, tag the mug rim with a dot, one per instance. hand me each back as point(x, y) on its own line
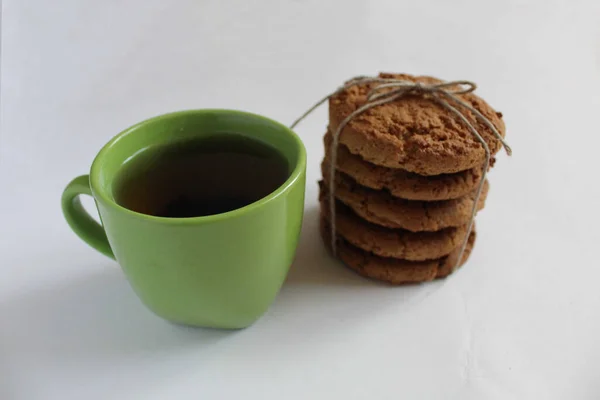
point(294, 176)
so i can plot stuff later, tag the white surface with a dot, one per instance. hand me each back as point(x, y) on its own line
point(520, 321)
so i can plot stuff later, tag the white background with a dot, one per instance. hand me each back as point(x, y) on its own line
point(520, 321)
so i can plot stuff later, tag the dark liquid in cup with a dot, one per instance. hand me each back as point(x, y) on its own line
point(200, 177)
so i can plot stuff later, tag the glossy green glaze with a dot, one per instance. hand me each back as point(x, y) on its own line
point(221, 270)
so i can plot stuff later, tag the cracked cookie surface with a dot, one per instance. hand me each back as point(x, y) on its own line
point(414, 133)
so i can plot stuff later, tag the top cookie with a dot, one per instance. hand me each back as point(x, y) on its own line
point(414, 132)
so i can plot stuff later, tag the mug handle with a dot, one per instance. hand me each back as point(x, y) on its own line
point(79, 220)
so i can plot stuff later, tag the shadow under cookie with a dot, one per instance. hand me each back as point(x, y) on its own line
point(399, 182)
point(381, 208)
point(392, 270)
point(386, 242)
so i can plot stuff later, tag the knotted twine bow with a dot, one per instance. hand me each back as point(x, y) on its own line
point(444, 93)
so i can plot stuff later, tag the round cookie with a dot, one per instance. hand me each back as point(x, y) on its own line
point(401, 183)
point(392, 270)
point(414, 133)
point(381, 208)
point(395, 243)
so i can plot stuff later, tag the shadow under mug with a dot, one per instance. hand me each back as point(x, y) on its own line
point(220, 270)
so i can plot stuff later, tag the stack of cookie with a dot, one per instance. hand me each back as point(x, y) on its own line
point(405, 181)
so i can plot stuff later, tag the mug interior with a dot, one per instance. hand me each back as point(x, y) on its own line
point(192, 124)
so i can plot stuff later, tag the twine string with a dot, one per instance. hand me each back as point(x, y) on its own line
point(388, 90)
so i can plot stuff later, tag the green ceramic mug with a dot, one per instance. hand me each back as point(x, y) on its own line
point(221, 270)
